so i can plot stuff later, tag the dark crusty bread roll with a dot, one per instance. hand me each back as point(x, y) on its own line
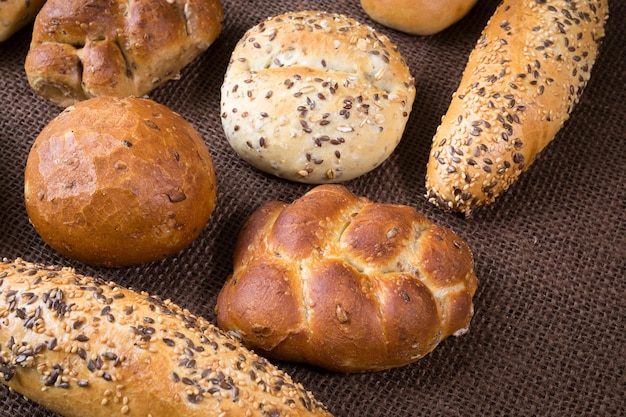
point(88, 48)
point(84, 347)
point(417, 17)
point(521, 82)
point(315, 97)
point(346, 284)
point(15, 14)
point(119, 181)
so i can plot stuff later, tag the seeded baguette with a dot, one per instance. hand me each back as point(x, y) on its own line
point(84, 347)
point(521, 82)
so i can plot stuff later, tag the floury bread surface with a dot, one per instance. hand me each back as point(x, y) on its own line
point(88, 48)
point(315, 97)
point(522, 81)
point(87, 348)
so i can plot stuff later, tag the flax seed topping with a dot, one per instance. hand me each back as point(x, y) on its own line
point(520, 86)
point(321, 75)
point(74, 350)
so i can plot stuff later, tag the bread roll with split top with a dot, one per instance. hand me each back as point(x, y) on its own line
point(346, 284)
point(521, 83)
point(82, 347)
point(88, 48)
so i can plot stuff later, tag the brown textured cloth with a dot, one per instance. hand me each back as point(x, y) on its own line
point(548, 337)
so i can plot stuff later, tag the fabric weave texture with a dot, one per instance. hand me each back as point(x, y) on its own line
point(548, 335)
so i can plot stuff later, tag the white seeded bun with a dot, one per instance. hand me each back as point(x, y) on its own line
point(417, 17)
point(315, 97)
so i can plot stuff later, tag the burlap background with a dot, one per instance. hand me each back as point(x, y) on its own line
point(548, 337)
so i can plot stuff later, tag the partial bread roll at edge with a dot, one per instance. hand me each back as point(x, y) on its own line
point(15, 14)
point(521, 82)
point(84, 48)
point(84, 347)
point(417, 17)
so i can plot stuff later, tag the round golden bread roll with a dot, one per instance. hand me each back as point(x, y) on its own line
point(417, 17)
point(315, 97)
point(346, 284)
point(119, 181)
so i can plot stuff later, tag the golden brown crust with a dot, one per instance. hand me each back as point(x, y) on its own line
point(315, 97)
point(522, 80)
point(119, 181)
point(15, 14)
point(343, 283)
point(417, 17)
point(81, 346)
point(86, 48)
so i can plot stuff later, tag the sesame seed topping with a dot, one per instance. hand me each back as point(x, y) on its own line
point(311, 92)
point(153, 317)
point(562, 45)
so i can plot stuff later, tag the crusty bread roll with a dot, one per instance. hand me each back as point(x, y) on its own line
point(346, 284)
point(521, 82)
point(84, 347)
point(15, 14)
point(417, 17)
point(119, 181)
point(315, 97)
point(85, 48)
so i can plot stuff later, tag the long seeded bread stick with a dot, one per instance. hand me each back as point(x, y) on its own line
point(84, 347)
point(521, 82)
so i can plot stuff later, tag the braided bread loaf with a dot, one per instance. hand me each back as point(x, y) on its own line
point(346, 284)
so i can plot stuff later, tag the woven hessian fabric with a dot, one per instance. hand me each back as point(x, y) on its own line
point(548, 336)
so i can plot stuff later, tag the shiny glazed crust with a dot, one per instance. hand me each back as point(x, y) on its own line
point(86, 48)
point(522, 81)
point(84, 347)
point(417, 17)
point(346, 284)
point(119, 181)
point(315, 97)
